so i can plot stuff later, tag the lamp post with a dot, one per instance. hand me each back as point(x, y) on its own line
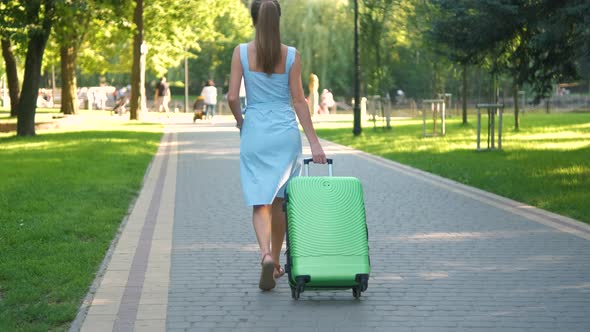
point(142, 59)
point(357, 72)
point(186, 83)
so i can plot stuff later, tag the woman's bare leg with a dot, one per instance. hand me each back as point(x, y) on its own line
point(261, 219)
point(278, 228)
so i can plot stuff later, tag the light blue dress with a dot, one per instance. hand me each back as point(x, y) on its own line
point(270, 144)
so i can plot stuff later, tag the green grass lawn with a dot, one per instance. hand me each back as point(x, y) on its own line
point(545, 164)
point(63, 196)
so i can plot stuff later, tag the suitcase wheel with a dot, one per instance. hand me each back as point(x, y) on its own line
point(363, 280)
point(295, 293)
point(356, 292)
point(299, 286)
point(363, 284)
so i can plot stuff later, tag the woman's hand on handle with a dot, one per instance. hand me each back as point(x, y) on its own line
point(317, 153)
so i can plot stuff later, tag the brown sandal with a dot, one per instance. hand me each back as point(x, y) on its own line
point(267, 281)
point(278, 272)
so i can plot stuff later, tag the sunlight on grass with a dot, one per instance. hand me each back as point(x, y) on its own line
point(581, 126)
point(553, 135)
point(24, 146)
point(557, 139)
point(62, 145)
point(573, 170)
point(556, 146)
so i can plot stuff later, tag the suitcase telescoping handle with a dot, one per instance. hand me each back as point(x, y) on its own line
point(306, 161)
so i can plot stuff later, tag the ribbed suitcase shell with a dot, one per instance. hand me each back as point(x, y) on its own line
point(327, 231)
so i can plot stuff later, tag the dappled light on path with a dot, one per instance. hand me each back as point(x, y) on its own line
point(220, 246)
point(464, 236)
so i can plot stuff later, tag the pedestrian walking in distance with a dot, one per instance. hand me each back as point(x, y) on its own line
point(162, 97)
point(270, 143)
point(209, 92)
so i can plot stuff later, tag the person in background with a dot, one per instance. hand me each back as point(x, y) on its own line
point(122, 96)
point(100, 98)
point(314, 84)
point(326, 102)
point(162, 97)
point(210, 94)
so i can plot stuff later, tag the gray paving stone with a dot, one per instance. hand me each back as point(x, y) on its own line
point(441, 261)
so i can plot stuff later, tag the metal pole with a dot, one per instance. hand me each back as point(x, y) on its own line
point(501, 110)
point(388, 112)
point(357, 86)
point(489, 126)
point(444, 131)
point(478, 127)
point(186, 84)
point(424, 122)
point(493, 128)
point(384, 120)
point(434, 116)
point(5, 92)
point(142, 64)
point(53, 80)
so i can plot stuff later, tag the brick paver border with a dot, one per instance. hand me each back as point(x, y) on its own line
point(127, 313)
point(139, 259)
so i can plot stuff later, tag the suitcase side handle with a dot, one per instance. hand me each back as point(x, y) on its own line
point(306, 162)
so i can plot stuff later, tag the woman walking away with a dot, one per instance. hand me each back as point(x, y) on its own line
point(270, 146)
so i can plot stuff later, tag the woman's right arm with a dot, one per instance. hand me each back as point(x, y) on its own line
point(302, 111)
point(233, 94)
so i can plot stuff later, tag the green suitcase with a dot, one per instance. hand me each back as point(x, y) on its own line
point(327, 238)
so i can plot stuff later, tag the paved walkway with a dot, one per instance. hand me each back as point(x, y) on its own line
point(444, 256)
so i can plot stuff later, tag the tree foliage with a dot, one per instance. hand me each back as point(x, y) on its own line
point(12, 34)
point(377, 23)
point(230, 24)
point(420, 47)
point(108, 43)
point(537, 42)
point(172, 28)
point(322, 32)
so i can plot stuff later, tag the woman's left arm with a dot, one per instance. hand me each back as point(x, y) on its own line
point(233, 94)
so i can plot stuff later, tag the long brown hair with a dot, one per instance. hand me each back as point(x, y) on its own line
point(265, 16)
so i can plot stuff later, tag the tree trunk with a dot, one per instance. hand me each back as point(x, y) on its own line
point(378, 67)
point(28, 102)
point(11, 75)
point(494, 88)
point(435, 81)
point(69, 97)
point(516, 110)
point(464, 94)
point(136, 82)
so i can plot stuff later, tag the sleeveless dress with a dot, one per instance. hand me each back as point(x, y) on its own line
point(270, 143)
